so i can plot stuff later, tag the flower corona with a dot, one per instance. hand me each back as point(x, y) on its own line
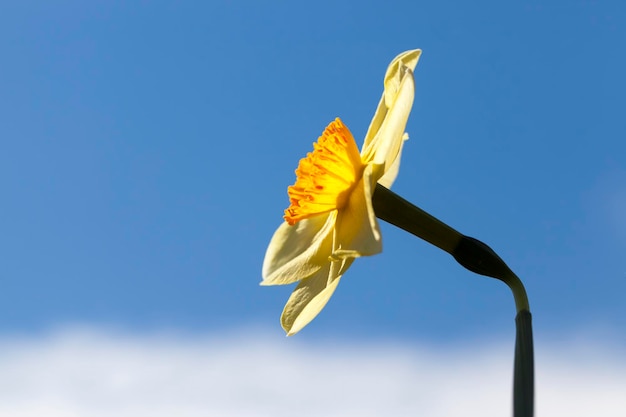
point(325, 176)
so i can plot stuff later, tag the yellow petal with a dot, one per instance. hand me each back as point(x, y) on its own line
point(396, 72)
point(392, 79)
point(385, 145)
point(299, 251)
point(386, 132)
point(357, 232)
point(310, 296)
point(392, 172)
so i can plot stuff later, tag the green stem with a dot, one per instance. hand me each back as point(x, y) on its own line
point(394, 209)
point(523, 371)
point(519, 292)
point(469, 252)
point(481, 259)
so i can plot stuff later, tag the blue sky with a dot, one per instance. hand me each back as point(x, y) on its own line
point(146, 147)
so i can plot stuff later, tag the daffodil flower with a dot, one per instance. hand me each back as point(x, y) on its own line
point(330, 220)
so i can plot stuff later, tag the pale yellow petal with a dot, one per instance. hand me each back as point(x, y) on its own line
point(299, 251)
point(310, 296)
point(397, 71)
point(372, 130)
point(385, 146)
point(357, 232)
point(391, 173)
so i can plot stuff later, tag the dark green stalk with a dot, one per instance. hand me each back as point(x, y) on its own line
point(477, 257)
point(523, 373)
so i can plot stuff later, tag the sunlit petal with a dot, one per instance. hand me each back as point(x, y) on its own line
point(400, 67)
point(298, 251)
point(385, 146)
point(357, 232)
point(392, 172)
point(396, 73)
point(374, 127)
point(310, 296)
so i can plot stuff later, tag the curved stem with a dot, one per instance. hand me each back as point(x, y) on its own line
point(471, 253)
point(519, 292)
point(394, 209)
point(479, 258)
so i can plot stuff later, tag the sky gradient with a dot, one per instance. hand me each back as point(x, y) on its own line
point(146, 148)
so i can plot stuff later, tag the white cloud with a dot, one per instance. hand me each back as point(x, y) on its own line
point(104, 373)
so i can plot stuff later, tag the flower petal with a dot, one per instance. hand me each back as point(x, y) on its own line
point(311, 295)
point(299, 251)
point(386, 132)
point(385, 146)
point(357, 232)
point(391, 173)
point(395, 73)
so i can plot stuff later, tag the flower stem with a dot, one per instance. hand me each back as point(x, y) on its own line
point(523, 372)
point(481, 259)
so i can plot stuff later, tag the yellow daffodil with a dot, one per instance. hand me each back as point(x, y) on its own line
point(330, 220)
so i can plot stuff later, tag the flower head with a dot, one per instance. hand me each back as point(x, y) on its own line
point(330, 220)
